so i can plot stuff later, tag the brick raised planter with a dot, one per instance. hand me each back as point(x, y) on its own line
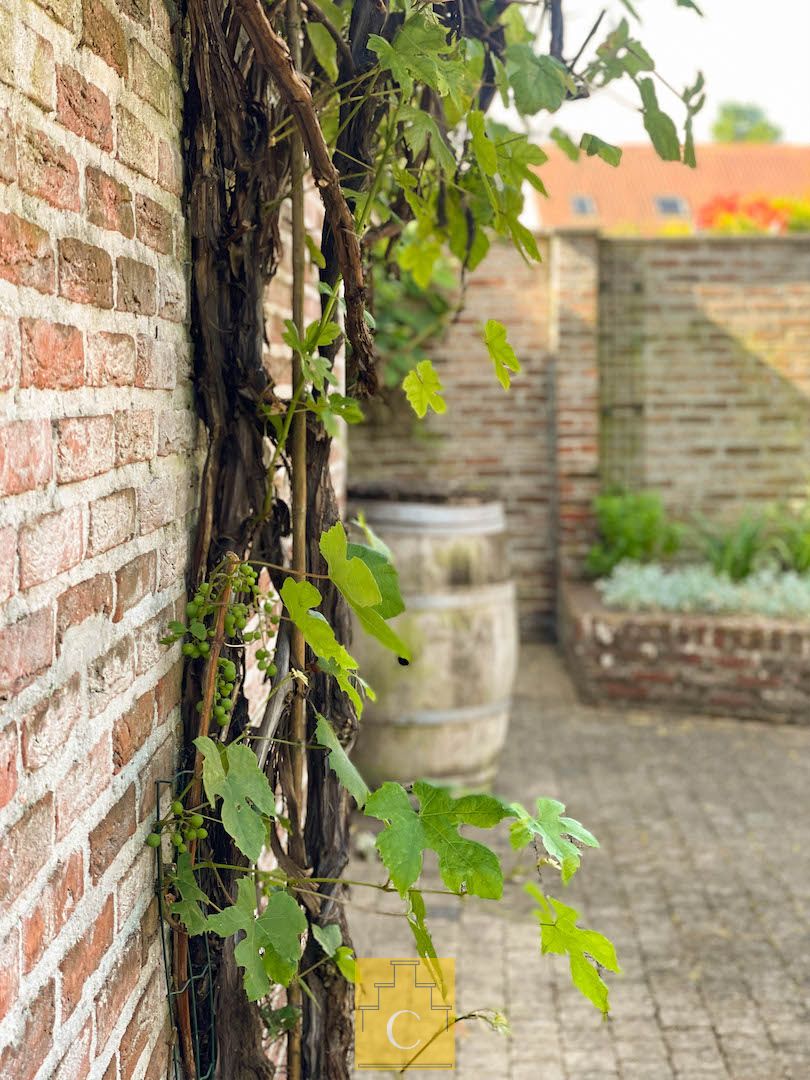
point(738, 665)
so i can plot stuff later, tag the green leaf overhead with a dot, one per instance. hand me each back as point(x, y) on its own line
point(423, 389)
point(465, 865)
point(585, 949)
point(339, 762)
point(271, 948)
point(501, 352)
point(659, 126)
point(596, 147)
point(235, 777)
point(557, 834)
point(386, 576)
point(539, 83)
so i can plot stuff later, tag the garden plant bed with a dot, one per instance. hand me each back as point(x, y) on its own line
point(740, 665)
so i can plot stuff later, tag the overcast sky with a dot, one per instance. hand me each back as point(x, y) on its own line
point(749, 51)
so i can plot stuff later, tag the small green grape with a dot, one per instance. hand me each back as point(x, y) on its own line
point(196, 820)
point(202, 833)
point(153, 840)
point(177, 808)
point(177, 840)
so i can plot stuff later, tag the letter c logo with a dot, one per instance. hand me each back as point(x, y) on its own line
point(389, 1029)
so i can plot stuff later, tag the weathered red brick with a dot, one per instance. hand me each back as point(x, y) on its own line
point(25, 456)
point(8, 148)
point(88, 598)
point(83, 108)
point(50, 546)
point(137, 286)
point(139, 1031)
point(26, 649)
point(111, 833)
point(170, 168)
point(159, 502)
point(85, 273)
point(154, 224)
point(63, 11)
point(9, 970)
point(133, 729)
point(168, 691)
point(133, 582)
point(26, 848)
point(161, 766)
point(84, 958)
point(134, 436)
point(26, 254)
point(47, 728)
point(21, 1060)
point(137, 884)
point(103, 34)
point(35, 67)
point(117, 989)
point(8, 554)
point(75, 1065)
point(55, 903)
point(177, 431)
point(52, 355)
point(47, 170)
point(84, 782)
point(156, 364)
point(137, 10)
point(8, 764)
point(109, 202)
point(136, 143)
point(110, 675)
point(112, 521)
point(173, 295)
point(9, 353)
point(150, 80)
point(110, 359)
point(85, 447)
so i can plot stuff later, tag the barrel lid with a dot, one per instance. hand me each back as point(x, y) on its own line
point(424, 517)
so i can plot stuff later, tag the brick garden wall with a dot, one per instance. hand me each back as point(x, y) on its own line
point(97, 479)
point(489, 443)
point(705, 369)
point(723, 665)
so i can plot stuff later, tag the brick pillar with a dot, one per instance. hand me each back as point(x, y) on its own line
point(574, 345)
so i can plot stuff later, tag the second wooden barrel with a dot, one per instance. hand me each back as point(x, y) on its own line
point(445, 716)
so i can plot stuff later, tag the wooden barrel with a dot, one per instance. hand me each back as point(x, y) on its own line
point(445, 716)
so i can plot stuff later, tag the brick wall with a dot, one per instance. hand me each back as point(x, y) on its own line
point(705, 364)
point(97, 480)
point(490, 443)
point(725, 665)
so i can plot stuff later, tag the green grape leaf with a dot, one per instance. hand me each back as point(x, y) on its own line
point(344, 958)
point(328, 937)
point(346, 682)
point(271, 947)
point(418, 127)
point(420, 53)
point(465, 865)
point(187, 908)
point(501, 352)
point(418, 252)
point(422, 937)
point(339, 762)
point(556, 832)
point(315, 253)
point(357, 584)
point(660, 127)
point(688, 4)
point(245, 792)
point(333, 406)
point(386, 576)
point(565, 143)
point(482, 146)
point(324, 47)
point(423, 389)
point(539, 83)
point(596, 147)
point(300, 597)
point(585, 949)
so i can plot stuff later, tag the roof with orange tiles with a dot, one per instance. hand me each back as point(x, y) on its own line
point(646, 195)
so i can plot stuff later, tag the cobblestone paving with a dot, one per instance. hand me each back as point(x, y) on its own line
point(702, 881)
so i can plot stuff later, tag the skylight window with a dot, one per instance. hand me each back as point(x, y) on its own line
point(671, 206)
point(583, 205)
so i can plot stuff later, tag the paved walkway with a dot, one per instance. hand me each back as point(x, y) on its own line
point(702, 881)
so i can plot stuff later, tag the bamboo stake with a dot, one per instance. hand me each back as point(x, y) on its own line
point(299, 516)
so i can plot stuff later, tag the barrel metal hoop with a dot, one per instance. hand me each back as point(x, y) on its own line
point(434, 717)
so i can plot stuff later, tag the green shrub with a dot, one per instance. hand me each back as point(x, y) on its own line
point(633, 526)
point(790, 541)
point(738, 549)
